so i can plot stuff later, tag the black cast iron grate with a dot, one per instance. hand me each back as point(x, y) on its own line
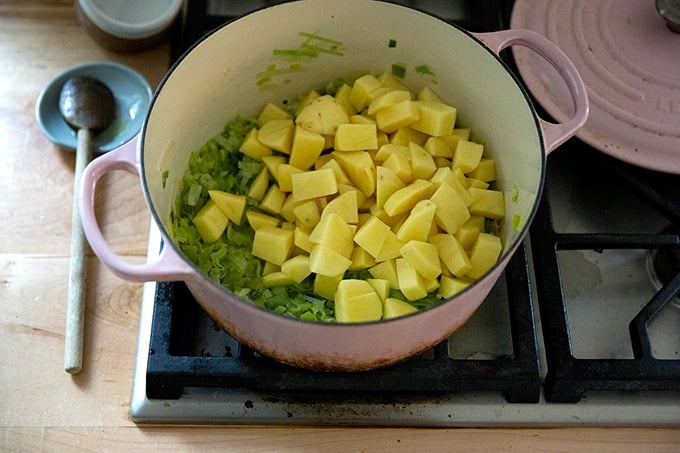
point(569, 378)
point(175, 362)
point(202, 16)
point(178, 360)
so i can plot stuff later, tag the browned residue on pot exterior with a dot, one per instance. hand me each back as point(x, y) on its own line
point(325, 363)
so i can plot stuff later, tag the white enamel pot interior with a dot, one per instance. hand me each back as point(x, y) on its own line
point(243, 65)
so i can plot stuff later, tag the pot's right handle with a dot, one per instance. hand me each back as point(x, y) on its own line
point(553, 134)
point(167, 266)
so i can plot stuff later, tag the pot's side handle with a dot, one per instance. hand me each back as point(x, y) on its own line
point(167, 266)
point(553, 134)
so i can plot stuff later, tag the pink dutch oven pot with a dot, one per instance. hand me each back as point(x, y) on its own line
point(222, 76)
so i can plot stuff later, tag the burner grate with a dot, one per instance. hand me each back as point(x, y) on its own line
point(568, 377)
point(202, 16)
point(171, 367)
point(175, 362)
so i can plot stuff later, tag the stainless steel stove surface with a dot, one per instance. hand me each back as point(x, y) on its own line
point(583, 329)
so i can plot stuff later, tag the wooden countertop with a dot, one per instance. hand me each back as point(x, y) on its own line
point(45, 409)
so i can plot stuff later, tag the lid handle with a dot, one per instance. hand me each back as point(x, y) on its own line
point(554, 134)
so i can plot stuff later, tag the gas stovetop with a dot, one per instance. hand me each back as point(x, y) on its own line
point(583, 329)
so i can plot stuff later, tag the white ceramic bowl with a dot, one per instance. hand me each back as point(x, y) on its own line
point(127, 25)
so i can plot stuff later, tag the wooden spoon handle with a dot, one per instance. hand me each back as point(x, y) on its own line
point(75, 309)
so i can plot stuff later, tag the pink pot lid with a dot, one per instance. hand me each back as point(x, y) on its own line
point(630, 63)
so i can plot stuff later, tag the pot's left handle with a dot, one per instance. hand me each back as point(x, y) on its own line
point(554, 134)
point(167, 266)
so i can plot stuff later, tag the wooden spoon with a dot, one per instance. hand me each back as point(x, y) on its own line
point(87, 105)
